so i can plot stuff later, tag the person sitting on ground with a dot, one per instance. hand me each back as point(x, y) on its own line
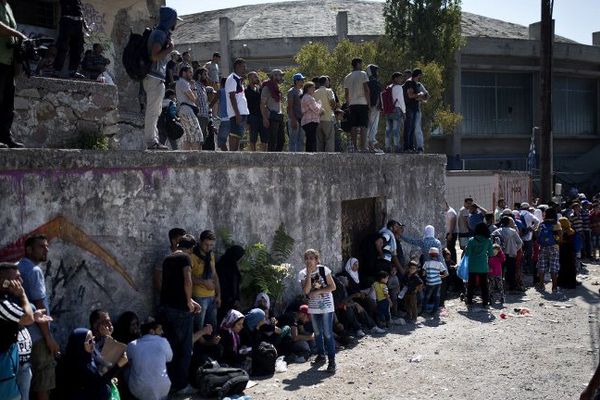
point(148, 358)
point(479, 249)
point(234, 353)
point(358, 301)
point(102, 328)
point(85, 380)
point(495, 275)
point(263, 302)
point(95, 63)
point(127, 327)
point(434, 272)
point(350, 314)
point(382, 297)
point(414, 285)
point(302, 342)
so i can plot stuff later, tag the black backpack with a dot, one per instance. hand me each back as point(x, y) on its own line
point(263, 359)
point(170, 126)
point(136, 59)
point(220, 382)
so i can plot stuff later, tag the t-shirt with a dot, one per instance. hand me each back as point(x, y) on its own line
point(398, 96)
point(531, 222)
point(172, 293)
point(463, 213)
point(389, 245)
point(148, 358)
point(234, 84)
point(159, 68)
point(181, 88)
point(34, 284)
point(323, 303)
point(354, 83)
point(411, 104)
point(293, 97)
point(24, 343)
point(325, 96)
point(213, 71)
point(381, 291)
point(253, 99)
point(451, 217)
point(198, 272)
point(10, 315)
point(432, 271)
point(8, 19)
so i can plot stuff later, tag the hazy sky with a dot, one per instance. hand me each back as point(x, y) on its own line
point(575, 19)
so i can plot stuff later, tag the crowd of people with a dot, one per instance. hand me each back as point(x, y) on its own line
point(200, 316)
point(205, 110)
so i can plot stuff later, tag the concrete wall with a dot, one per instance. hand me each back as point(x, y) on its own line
point(55, 112)
point(108, 213)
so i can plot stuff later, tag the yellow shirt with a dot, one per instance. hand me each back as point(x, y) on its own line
point(381, 291)
point(197, 272)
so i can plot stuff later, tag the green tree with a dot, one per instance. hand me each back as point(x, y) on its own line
point(313, 59)
point(426, 30)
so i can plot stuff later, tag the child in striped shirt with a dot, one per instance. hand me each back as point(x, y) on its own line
point(434, 272)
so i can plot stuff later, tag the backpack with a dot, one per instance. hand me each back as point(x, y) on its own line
point(136, 59)
point(263, 359)
point(388, 104)
point(220, 382)
point(546, 235)
point(170, 126)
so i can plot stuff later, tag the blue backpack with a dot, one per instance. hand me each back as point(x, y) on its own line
point(546, 236)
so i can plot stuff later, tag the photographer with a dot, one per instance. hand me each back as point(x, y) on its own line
point(9, 38)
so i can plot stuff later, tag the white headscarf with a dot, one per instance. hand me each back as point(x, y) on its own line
point(429, 232)
point(352, 274)
point(538, 214)
point(265, 297)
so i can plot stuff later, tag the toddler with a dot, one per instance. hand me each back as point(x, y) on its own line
point(495, 275)
point(414, 285)
point(382, 297)
point(434, 272)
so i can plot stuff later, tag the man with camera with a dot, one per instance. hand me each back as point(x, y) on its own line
point(10, 37)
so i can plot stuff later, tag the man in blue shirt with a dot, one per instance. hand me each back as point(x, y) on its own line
point(44, 347)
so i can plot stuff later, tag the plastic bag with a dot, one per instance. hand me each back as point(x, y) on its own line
point(114, 391)
point(280, 365)
point(463, 268)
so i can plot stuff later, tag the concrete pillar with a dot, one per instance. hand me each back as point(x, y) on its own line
point(226, 27)
point(341, 25)
point(535, 30)
point(456, 145)
point(596, 38)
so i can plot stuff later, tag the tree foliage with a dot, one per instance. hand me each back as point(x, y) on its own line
point(426, 30)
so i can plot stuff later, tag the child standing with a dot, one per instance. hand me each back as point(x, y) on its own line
point(495, 275)
point(414, 285)
point(434, 272)
point(382, 297)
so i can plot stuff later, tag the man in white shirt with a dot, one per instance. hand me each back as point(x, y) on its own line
point(451, 219)
point(395, 120)
point(237, 105)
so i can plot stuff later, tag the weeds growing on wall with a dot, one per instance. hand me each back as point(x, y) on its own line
point(90, 141)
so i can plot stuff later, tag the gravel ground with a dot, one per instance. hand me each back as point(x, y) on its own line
point(470, 354)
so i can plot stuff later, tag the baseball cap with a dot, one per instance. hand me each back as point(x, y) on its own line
point(298, 77)
point(434, 250)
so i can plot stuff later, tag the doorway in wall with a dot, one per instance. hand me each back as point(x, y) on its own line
point(360, 218)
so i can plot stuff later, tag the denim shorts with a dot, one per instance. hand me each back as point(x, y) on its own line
point(257, 129)
point(223, 132)
point(235, 129)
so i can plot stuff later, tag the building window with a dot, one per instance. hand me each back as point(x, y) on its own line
point(574, 106)
point(496, 103)
point(35, 13)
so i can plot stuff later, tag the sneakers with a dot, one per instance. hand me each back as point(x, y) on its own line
point(377, 330)
point(319, 359)
point(360, 333)
point(157, 146)
point(331, 366)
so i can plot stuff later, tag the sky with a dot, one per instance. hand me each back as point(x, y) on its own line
point(574, 19)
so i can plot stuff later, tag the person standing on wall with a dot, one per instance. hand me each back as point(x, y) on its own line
point(70, 37)
point(44, 348)
point(160, 47)
point(271, 110)
point(9, 38)
point(237, 104)
point(358, 97)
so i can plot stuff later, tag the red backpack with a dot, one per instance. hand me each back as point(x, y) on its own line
point(387, 100)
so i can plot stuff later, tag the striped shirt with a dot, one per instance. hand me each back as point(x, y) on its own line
point(432, 271)
point(10, 311)
point(585, 219)
point(576, 222)
point(10, 315)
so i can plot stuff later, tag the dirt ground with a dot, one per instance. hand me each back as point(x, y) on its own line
point(470, 354)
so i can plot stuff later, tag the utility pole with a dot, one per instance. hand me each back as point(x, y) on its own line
point(546, 151)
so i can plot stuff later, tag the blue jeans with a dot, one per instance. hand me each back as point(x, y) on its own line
point(383, 310)
point(373, 124)
point(409, 129)
point(323, 327)
point(24, 380)
point(178, 328)
point(393, 122)
point(207, 315)
point(223, 134)
point(296, 138)
point(432, 298)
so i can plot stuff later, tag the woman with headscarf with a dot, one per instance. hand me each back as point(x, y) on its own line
point(230, 330)
point(263, 302)
point(567, 273)
point(365, 306)
point(351, 271)
point(84, 379)
point(425, 244)
point(229, 278)
point(479, 249)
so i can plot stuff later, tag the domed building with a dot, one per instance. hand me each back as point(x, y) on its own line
point(496, 84)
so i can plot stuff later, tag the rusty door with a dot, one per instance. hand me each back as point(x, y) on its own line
point(358, 221)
